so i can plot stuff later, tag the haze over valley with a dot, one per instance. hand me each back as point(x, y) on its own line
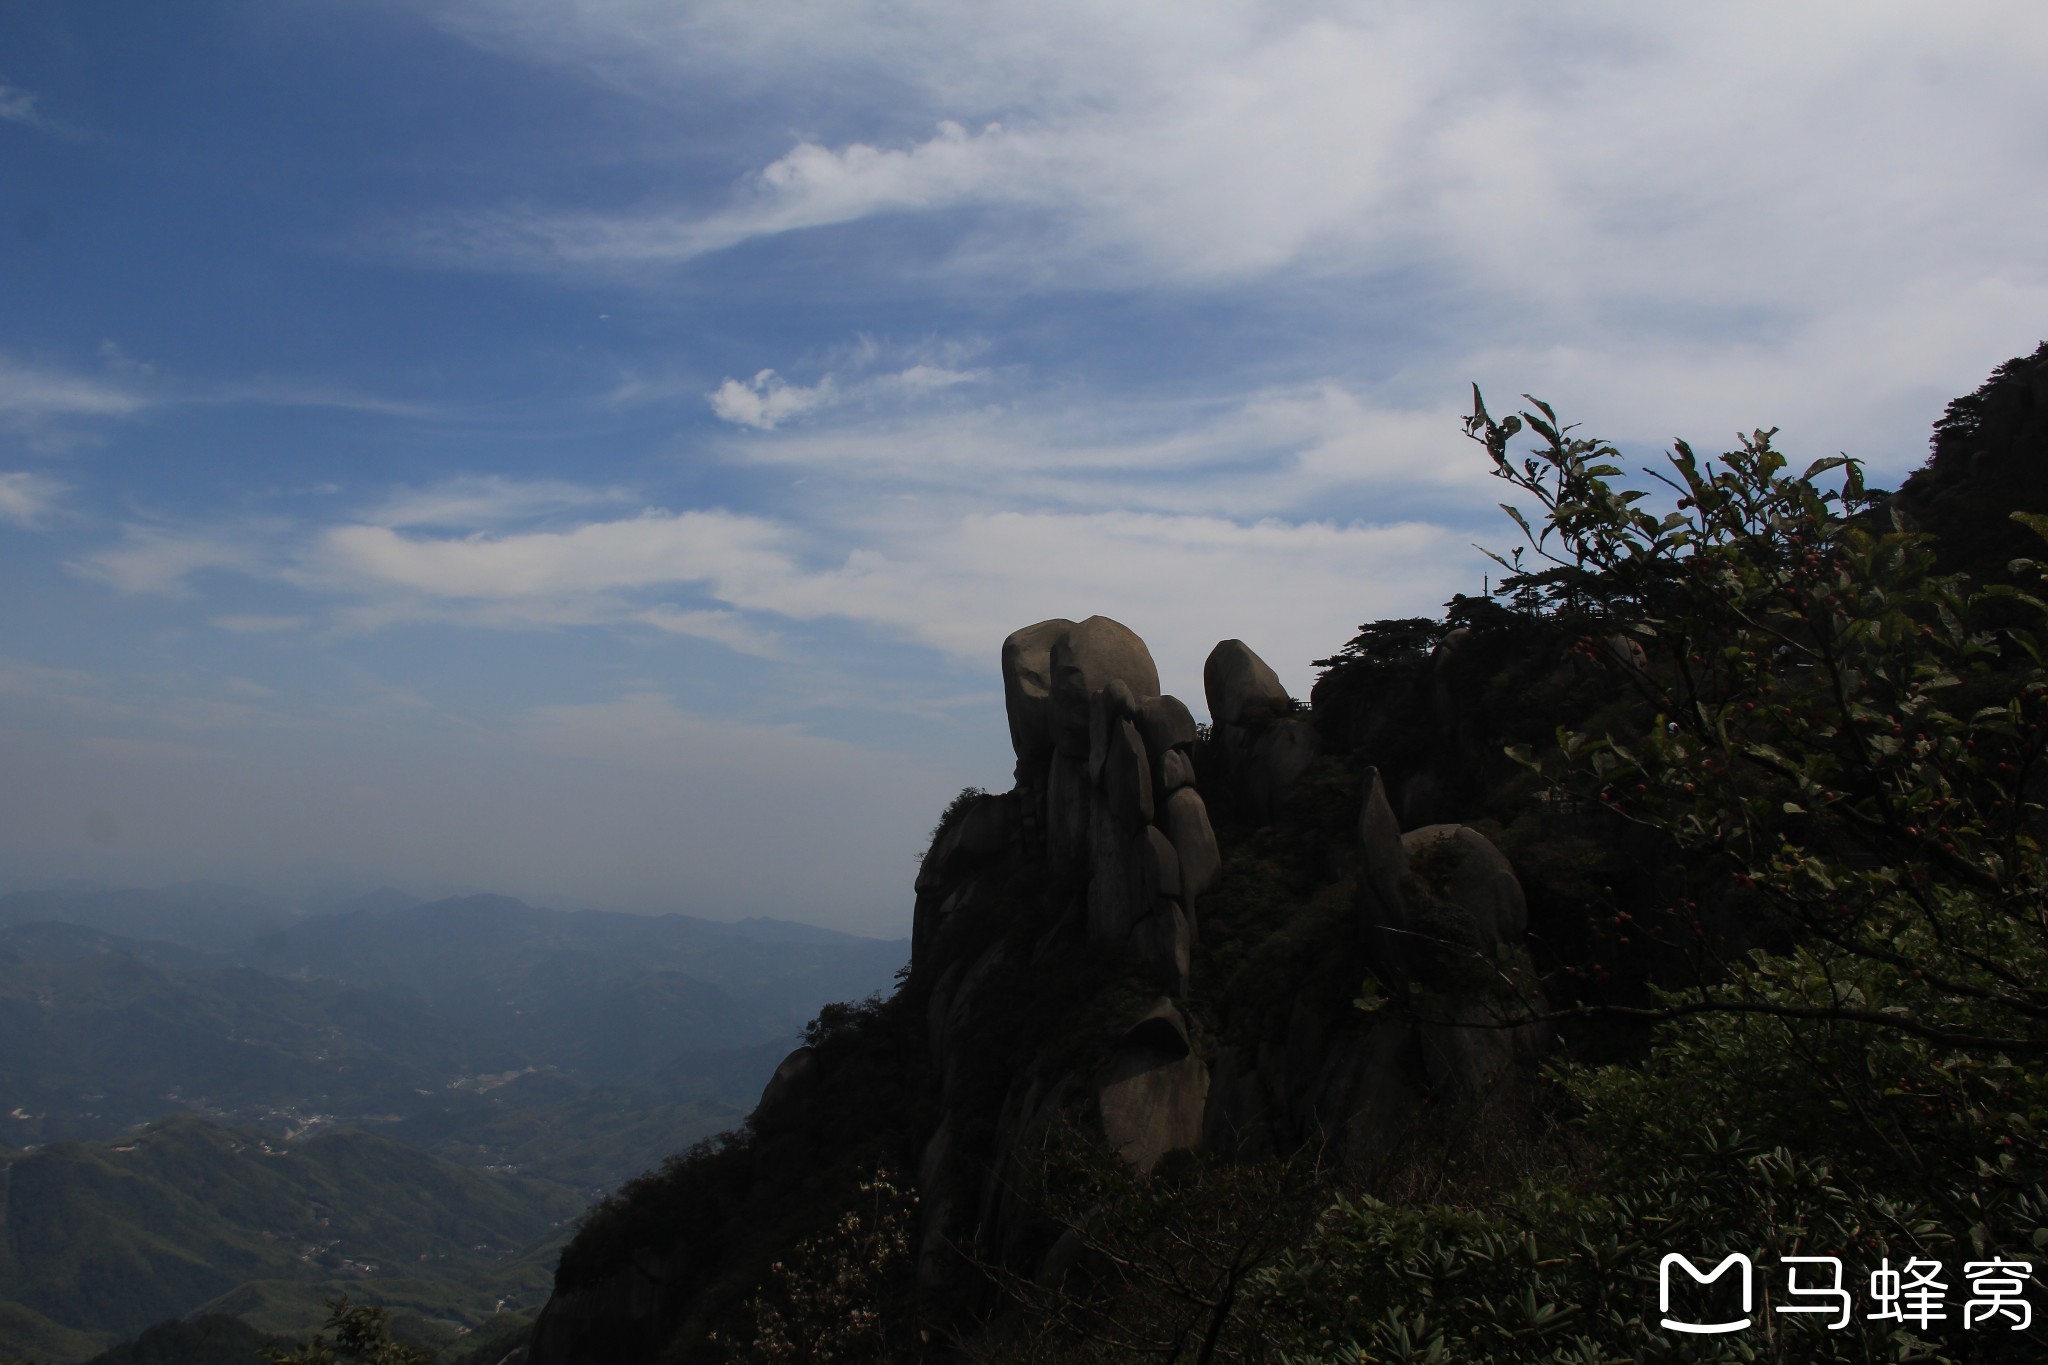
point(212, 1077)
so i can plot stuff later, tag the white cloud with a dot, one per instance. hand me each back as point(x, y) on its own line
point(159, 560)
point(728, 628)
point(1275, 451)
point(33, 392)
point(17, 105)
point(767, 400)
point(653, 549)
point(1737, 157)
point(483, 501)
point(23, 678)
point(953, 583)
point(255, 624)
point(930, 378)
point(27, 498)
point(1295, 591)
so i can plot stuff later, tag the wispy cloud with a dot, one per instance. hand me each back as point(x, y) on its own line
point(654, 548)
point(1645, 171)
point(34, 395)
point(17, 105)
point(810, 186)
point(255, 624)
point(944, 581)
point(479, 501)
point(728, 628)
point(35, 391)
point(295, 393)
point(28, 499)
point(161, 559)
point(767, 400)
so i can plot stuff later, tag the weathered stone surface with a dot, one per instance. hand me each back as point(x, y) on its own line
point(1275, 760)
point(1165, 723)
point(1475, 877)
point(1112, 704)
point(1068, 800)
point(1154, 1091)
point(1119, 864)
point(1165, 862)
point(1233, 678)
point(1187, 826)
point(1165, 940)
point(960, 1009)
point(786, 1099)
point(1086, 658)
point(1027, 690)
point(1176, 770)
point(1127, 776)
point(1386, 857)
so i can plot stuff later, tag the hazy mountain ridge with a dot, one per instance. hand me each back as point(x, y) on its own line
point(498, 952)
point(392, 1013)
point(478, 1036)
point(98, 1033)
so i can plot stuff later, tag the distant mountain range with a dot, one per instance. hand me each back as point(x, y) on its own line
point(116, 1007)
point(392, 1055)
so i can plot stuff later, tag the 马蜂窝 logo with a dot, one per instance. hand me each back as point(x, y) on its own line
point(1733, 1259)
point(1914, 1295)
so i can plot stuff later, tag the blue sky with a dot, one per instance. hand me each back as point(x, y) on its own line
point(593, 449)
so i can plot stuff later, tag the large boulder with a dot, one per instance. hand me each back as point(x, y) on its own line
point(1386, 857)
point(1165, 942)
point(1068, 801)
point(1233, 678)
point(1127, 776)
point(1473, 876)
point(1165, 862)
point(1154, 1090)
point(1274, 759)
point(1194, 842)
point(1112, 704)
point(1085, 658)
point(1121, 882)
point(1166, 724)
point(1027, 690)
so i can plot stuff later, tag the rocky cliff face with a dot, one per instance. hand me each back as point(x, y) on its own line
point(1176, 937)
point(1159, 934)
point(1112, 812)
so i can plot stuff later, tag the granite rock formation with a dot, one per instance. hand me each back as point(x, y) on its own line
point(1059, 983)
